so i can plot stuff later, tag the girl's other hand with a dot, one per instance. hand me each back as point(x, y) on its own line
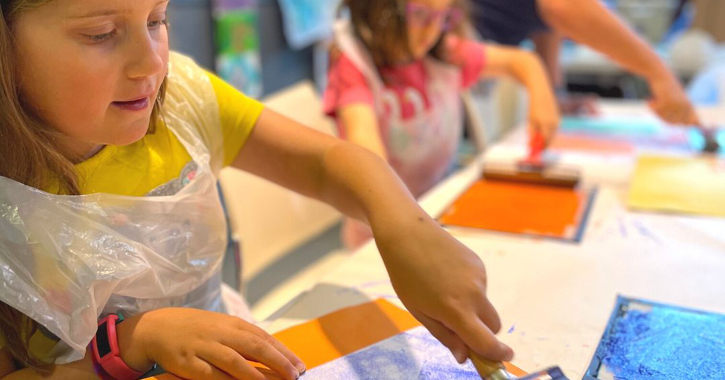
point(196, 344)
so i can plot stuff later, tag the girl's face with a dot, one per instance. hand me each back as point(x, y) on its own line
point(92, 68)
point(427, 20)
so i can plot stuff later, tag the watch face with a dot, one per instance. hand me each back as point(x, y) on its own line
point(102, 340)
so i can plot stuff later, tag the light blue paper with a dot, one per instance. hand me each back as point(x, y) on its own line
point(306, 22)
point(415, 354)
point(612, 126)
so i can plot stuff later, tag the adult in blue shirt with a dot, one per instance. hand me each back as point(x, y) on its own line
point(590, 23)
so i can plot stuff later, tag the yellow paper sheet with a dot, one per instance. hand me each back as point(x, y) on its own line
point(691, 185)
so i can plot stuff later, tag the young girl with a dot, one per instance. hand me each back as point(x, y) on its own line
point(395, 87)
point(111, 229)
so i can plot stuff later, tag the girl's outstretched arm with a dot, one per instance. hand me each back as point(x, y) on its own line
point(440, 281)
point(590, 22)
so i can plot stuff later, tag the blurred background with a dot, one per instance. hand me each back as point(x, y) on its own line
point(276, 50)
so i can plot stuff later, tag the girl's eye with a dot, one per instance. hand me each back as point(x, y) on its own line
point(157, 24)
point(98, 38)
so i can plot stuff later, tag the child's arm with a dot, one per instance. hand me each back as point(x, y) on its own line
point(80, 370)
point(438, 279)
point(589, 22)
point(6, 363)
point(190, 343)
point(361, 127)
point(548, 47)
point(527, 68)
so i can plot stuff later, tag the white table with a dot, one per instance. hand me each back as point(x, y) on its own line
point(555, 298)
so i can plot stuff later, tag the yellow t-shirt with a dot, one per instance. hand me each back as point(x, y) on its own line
point(158, 164)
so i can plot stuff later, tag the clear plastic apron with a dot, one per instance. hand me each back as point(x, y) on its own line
point(421, 149)
point(66, 260)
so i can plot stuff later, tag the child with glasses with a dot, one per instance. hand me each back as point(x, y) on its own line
point(394, 88)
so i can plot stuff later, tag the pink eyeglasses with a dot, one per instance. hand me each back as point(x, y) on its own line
point(422, 16)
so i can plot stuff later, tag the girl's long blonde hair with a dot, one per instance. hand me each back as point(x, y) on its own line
point(30, 153)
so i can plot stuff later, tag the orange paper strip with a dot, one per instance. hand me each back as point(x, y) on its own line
point(346, 331)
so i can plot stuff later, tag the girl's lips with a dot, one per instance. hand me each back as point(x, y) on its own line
point(135, 105)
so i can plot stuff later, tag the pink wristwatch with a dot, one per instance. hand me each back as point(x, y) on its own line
point(106, 352)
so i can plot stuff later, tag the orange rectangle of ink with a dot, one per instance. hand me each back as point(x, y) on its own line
point(536, 210)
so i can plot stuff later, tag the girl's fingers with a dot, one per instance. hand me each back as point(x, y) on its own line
point(489, 316)
point(198, 369)
point(231, 362)
point(296, 361)
point(260, 349)
point(447, 337)
point(479, 338)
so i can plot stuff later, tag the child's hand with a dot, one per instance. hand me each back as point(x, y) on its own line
point(443, 284)
point(197, 344)
point(670, 103)
point(544, 116)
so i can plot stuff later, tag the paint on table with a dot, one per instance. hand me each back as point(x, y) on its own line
point(633, 131)
point(564, 142)
point(524, 209)
point(690, 185)
point(612, 126)
point(645, 340)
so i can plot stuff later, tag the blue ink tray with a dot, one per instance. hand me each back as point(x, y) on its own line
point(598, 368)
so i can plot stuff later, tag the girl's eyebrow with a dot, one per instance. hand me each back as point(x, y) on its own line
point(108, 12)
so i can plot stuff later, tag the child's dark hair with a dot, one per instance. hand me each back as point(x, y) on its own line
point(381, 25)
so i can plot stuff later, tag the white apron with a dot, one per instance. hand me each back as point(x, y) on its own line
point(66, 260)
point(421, 149)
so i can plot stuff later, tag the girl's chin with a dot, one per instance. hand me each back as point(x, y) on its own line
point(130, 136)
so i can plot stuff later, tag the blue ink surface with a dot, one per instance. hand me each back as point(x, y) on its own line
point(412, 355)
point(611, 126)
point(651, 341)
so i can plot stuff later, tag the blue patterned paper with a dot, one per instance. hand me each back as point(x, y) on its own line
point(412, 355)
point(648, 341)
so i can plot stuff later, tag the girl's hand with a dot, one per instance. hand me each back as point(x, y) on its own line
point(544, 116)
point(443, 284)
point(670, 102)
point(196, 344)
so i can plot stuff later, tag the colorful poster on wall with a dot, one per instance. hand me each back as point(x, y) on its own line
point(308, 21)
point(237, 41)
